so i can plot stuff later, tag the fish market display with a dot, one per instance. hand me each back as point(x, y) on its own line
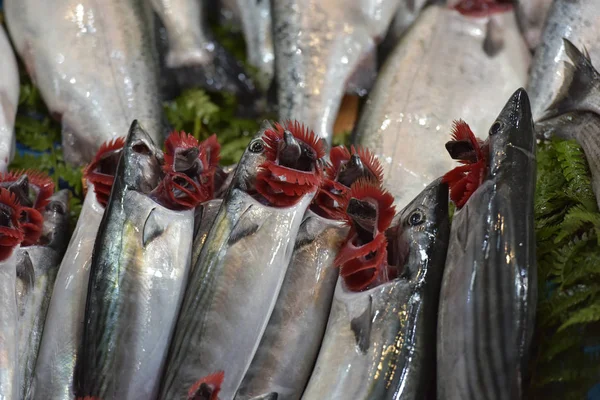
point(577, 21)
point(39, 263)
point(322, 48)
point(380, 338)
point(95, 67)
point(9, 92)
point(532, 15)
point(290, 344)
point(60, 347)
point(235, 282)
point(575, 112)
point(487, 301)
point(452, 62)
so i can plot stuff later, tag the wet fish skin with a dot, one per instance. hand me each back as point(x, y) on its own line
point(108, 309)
point(576, 21)
point(379, 343)
point(60, 350)
point(204, 218)
point(39, 264)
point(9, 375)
point(233, 287)
point(407, 12)
point(95, 67)
point(300, 316)
point(488, 296)
point(532, 15)
point(9, 99)
point(318, 47)
point(439, 71)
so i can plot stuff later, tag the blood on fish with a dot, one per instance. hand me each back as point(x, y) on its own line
point(10, 232)
point(207, 388)
point(465, 179)
point(283, 185)
point(101, 171)
point(482, 8)
point(363, 256)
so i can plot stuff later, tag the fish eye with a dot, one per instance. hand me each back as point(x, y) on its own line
point(416, 218)
point(496, 127)
point(56, 207)
point(257, 146)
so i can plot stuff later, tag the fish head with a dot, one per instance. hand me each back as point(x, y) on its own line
point(56, 221)
point(244, 177)
point(420, 231)
point(139, 168)
point(101, 171)
point(512, 138)
point(11, 234)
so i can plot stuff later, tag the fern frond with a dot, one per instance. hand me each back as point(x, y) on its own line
point(584, 316)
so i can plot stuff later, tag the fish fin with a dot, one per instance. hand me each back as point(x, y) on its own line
point(207, 388)
point(361, 326)
point(494, 38)
point(266, 396)
point(581, 81)
point(152, 228)
point(245, 226)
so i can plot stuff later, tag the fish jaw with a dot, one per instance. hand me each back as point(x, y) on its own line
point(9, 378)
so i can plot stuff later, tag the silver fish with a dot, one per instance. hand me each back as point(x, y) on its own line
point(204, 218)
point(573, 20)
point(532, 15)
point(94, 65)
point(60, 346)
point(40, 264)
point(379, 343)
point(235, 282)
point(445, 66)
point(9, 375)
point(489, 289)
point(138, 272)
point(406, 14)
point(321, 48)
point(9, 99)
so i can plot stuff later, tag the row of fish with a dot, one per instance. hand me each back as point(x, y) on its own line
point(283, 277)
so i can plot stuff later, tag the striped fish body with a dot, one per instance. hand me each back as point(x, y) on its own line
point(488, 292)
point(290, 345)
point(60, 346)
point(9, 377)
point(204, 219)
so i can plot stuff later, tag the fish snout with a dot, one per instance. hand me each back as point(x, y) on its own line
point(290, 150)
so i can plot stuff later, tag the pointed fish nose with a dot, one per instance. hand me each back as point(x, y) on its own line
point(355, 161)
point(290, 150)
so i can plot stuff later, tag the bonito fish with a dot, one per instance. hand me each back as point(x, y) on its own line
point(379, 342)
point(9, 100)
point(321, 48)
point(238, 275)
point(60, 346)
point(488, 296)
point(290, 345)
point(575, 21)
point(447, 64)
point(94, 64)
point(39, 263)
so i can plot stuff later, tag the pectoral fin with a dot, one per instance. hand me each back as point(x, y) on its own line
point(361, 326)
point(153, 228)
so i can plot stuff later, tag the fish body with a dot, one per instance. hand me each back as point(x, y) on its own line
point(9, 375)
point(204, 219)
point(406, 14)
point(291, 342)
point(379, 343)
point(532, 15)
point(94, 65)
point(60, 346)
point(9, 100)
point(575, 21)
point(233, 286)
point(38, 264)
point(318, 47)
point(438, 71)
point(487, 301)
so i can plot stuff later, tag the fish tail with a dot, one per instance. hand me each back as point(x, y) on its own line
point(207, 388)
point(581, 82)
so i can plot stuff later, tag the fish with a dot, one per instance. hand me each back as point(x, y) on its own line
point(406, 14)
point(39, 263)
point(235, 282)
point(575, 112)
point(321, 49)
point(140, 266)
point(572, 20)
point(9, 101)
point(447, 64)
point(96, 67)
point(380, 338)
point(10, 240)
point(488, 296)
point(194, 53)
point(531, 15)
point(290, 344)
point(53, 376)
